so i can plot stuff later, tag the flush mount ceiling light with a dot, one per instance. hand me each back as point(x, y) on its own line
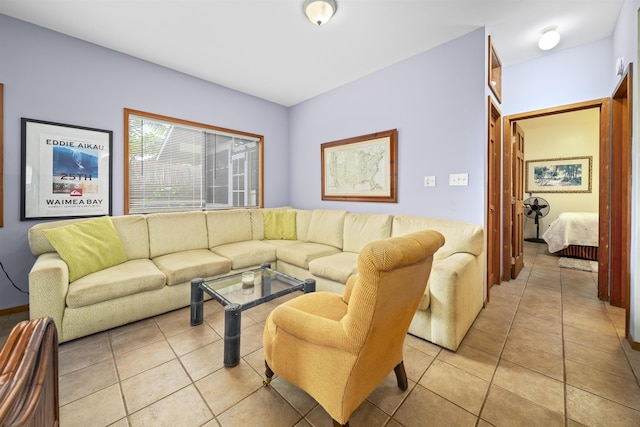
point(549, 38)
point(319, 11)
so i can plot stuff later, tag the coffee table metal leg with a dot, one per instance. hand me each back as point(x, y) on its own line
point(197, 302)
point(232, 319)
point(309, 286)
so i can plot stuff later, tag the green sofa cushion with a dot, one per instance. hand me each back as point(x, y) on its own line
point(279, 225)
point(87, 246)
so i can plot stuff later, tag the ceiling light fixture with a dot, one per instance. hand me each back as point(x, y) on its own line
point(319, 11)
point(549, 38)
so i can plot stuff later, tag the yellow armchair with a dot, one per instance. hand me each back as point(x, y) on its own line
point(338, 348)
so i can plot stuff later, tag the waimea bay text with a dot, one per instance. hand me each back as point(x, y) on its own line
point(74, 202)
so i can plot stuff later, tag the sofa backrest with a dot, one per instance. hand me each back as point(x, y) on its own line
point(303, 218)
point(132, 230)
point(38, 242)
point(326, 226)
point(228, 226)
point(360, 229)
point(176, 232)
point(459, 236)
point(257, 221)
point(134, 234)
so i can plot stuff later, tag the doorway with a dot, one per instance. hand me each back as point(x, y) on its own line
point(509, 205)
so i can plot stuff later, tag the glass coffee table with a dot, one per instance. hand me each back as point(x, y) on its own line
point(238, 292)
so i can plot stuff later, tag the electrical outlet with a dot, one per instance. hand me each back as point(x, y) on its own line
point(458, 179)
point(430, 181)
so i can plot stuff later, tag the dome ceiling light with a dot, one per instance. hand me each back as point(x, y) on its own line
point(549, 38)
point(319, 11)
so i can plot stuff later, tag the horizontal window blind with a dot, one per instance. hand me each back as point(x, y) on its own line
point(179, 166)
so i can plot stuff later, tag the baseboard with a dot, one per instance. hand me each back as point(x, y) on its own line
point(12, 310)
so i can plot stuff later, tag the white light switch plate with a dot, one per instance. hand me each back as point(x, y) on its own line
point(429, 181)
point(458, 179)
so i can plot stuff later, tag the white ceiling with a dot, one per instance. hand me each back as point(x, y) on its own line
point(268, 48)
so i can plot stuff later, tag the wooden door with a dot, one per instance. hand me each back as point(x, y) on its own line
point(517, 200)
point(493, 215)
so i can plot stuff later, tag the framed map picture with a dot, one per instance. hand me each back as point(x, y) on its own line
point(361, 169)
point(66, 171)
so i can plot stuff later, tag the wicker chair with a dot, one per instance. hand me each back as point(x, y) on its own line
point(29, 375)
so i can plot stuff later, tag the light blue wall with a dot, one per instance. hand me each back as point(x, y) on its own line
point(49, 76)
point(568, 76)
point(436, 100)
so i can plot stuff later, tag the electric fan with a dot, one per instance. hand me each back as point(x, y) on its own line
point(536, 208)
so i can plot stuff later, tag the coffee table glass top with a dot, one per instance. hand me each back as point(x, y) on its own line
point(252, 287)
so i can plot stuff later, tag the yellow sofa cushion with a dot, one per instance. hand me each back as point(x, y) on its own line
point(228, 227)
point(124, 279)
point(280, 225)
point(87, 246)
point(183, 266)
point(326, 226)
point(360, 229)
point(176, 232)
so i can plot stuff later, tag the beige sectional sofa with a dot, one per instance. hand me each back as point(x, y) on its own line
point(165, 251)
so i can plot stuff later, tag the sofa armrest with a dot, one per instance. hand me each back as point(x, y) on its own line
point(457, 296)
point(48, 287)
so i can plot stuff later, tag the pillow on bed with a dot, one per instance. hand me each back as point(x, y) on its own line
point(87, 246)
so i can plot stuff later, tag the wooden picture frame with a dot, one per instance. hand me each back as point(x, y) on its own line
point(495, 72)
point(561, 175)
point(361, 169)
point(66, 171)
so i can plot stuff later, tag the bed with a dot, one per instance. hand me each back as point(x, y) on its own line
point(574, 234)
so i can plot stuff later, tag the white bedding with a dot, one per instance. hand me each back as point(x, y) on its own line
point(572, 228)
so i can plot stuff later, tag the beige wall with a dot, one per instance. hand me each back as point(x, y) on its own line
point(574, 134)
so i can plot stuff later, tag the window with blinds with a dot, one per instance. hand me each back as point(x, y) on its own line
point(176, 165)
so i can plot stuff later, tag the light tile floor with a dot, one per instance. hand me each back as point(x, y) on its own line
point(544, 352)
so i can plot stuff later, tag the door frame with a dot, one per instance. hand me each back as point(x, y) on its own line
point(604, 105)
point(621, 171)
point(494, 138)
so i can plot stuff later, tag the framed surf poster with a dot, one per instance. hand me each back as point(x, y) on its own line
point(66, 171)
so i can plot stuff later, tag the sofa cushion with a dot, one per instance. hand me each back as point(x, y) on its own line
point(337, 267)
point(228, 227)
point(176, 232)
point(299, 254)
point(183, 266)
point(459, 236)
point(128, 278)
point(360, 229)
point(87, 246)
point(280, 225)
point(247, 254)
point(326, 227)
point(257, 220)
point(134, 235)
point(303, 218)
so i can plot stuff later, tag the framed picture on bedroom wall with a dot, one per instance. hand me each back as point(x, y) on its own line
point(562, 175)
point(66, 171)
